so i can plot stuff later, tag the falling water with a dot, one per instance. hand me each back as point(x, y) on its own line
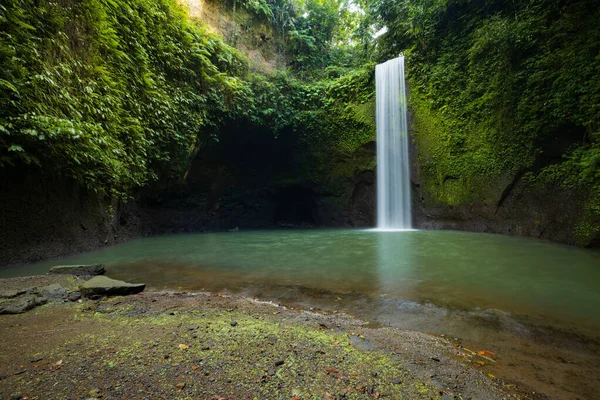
point(393, 188)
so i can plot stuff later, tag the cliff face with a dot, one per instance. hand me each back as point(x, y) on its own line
point(252, 36)
point(514, 207)
point(44, 217)
point(218, 148)
point(515, 203)
point(215, 148)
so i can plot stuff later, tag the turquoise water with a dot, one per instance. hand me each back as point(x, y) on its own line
point(456, 270)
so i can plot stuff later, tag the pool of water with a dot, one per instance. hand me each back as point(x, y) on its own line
point(392, 272)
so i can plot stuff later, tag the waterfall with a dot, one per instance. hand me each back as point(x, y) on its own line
point(393, 178)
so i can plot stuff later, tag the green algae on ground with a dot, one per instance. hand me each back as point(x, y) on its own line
point(313, 362)
point(124, 350)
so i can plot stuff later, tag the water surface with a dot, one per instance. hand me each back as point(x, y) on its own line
point(378, 273)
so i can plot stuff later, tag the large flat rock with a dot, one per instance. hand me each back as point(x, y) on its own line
point(21, 304)
point(101, 285)
point(90, 270)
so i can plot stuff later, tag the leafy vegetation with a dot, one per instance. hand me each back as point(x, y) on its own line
point(111, 93)
point(118, 93)
point(502, 88)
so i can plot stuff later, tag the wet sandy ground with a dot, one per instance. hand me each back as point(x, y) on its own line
point(210, 345)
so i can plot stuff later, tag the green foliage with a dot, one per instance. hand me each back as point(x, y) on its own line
point(311, 40)
point(112, 93)
point(117, 93)
point(260, 8)
point(500, 89)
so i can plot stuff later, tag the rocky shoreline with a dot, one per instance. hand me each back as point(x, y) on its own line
point(166, 345)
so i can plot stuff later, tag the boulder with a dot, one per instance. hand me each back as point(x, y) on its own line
point(90, 270)
point(53, 292)
point(21, 304)
point(103, 286)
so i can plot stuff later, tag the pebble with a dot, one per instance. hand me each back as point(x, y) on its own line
point(396, 381)
point(180, 385)
point(271, 372)
point(234, 323)
point(278, 363)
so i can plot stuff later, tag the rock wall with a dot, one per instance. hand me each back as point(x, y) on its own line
point(508, 205)
point(547, 213)
point(43, 217)
point(244, 31)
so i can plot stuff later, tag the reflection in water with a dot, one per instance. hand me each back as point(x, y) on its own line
point(397, 276)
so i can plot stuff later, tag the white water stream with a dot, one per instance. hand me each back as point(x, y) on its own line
point(393, 177)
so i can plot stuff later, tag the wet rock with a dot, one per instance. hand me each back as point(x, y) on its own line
point(74, 296)
point(103, 286)
point(21, 304)
point(82, 270)
point(53, 292)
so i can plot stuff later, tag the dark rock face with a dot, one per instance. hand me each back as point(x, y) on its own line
point(45, 216)
point(226, 187)
point(525, 211)
point(511, 206)
point(80, 270)
point(363, 202)
point(103, 286)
